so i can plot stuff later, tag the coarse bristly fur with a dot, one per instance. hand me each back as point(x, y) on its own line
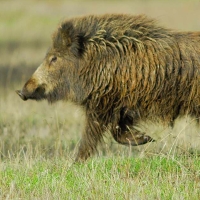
point(122, 69)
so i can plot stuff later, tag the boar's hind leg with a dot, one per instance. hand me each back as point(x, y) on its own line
point(131, 137)
point(123, 134)
point(90, 139)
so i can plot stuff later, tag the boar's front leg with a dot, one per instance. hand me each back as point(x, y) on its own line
point(90, 138)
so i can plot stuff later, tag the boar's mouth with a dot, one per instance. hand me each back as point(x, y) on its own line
point(38, 94)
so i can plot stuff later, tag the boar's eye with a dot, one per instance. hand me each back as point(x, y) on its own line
point(53, 59)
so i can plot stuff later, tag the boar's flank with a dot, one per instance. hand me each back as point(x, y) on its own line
point(122, 69)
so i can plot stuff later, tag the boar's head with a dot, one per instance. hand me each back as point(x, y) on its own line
point(58, 77)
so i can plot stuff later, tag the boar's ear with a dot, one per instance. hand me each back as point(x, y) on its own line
point(79, 44)
point(68, 37)
point(63, 37)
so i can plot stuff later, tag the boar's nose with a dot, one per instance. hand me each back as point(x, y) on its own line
point(23, 97)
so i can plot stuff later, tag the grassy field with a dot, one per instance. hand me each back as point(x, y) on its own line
point(39, 141)
point(110, 178)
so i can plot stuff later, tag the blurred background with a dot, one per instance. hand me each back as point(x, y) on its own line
point(25, 35)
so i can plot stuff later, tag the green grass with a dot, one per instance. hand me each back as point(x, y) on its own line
point(38, 142)
point(103, 178)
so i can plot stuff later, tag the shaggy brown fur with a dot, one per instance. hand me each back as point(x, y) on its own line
point(122, 69)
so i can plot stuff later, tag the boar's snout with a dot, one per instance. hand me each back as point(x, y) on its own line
point(32, 90)
point(23, 97)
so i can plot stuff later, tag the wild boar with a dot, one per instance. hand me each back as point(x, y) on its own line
point(122, 69)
